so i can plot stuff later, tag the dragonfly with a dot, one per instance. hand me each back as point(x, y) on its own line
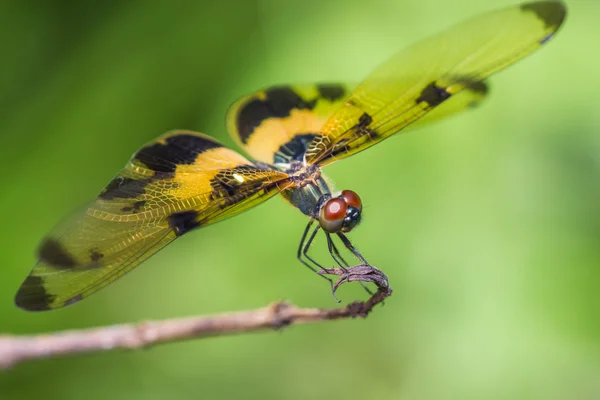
point(186, 180)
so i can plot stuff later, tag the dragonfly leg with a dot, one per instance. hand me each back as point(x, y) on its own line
point(303, 256)
point(351, 247)
point(335, 254)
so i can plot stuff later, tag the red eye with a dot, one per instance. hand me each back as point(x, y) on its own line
point(331, 217)
point(352, 199)
point(335, 209)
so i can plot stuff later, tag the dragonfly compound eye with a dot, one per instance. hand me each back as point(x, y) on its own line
point(352, 199)
point(332, 215)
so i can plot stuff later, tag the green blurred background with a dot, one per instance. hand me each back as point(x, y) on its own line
point(487, 225)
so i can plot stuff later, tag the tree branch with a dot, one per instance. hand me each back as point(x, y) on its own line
point(16, 349)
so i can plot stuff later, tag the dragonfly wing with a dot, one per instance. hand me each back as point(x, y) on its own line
point(178, 183)
point(276, 124)
point(432, 73)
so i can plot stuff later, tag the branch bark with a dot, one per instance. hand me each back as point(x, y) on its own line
point(16, 349)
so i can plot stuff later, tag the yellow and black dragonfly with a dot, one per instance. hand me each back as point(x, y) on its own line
point(186, 180)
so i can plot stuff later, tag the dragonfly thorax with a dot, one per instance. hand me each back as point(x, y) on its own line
point(302, 173)
point(307, 189)
point(312, 196)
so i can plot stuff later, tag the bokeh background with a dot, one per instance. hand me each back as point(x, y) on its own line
point(488, 225)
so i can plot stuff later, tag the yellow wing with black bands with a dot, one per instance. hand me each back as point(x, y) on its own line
point(277, 124)
point(432, 74)
point(180, 182)
point(274, 124)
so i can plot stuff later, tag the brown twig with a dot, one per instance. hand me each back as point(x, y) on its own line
point(16, 349)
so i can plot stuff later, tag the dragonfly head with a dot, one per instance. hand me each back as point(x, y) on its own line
point(342, 213)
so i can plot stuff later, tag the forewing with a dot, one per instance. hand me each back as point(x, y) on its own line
point(431, 74)
point(277, 123)
point(469, 98)
point(180, 182)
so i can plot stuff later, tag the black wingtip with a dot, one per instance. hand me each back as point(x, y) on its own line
point(32, 296)
point(552, 13)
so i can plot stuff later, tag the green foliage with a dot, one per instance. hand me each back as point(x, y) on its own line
point(487, 225)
